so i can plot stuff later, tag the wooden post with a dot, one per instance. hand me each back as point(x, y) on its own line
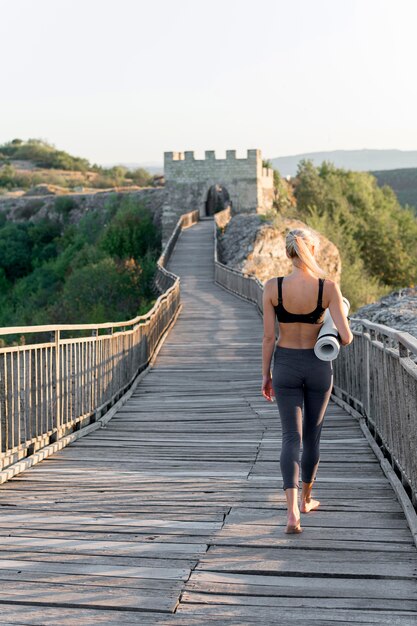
point(367, 403)
point(95, 398)
point(58, 380)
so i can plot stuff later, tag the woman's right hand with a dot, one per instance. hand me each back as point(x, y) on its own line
point(267, 389)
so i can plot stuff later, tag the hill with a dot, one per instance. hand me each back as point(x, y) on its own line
point(359, 160)
point(25, 164)
point(403, 182)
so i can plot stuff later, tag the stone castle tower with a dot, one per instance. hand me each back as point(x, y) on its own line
point(211, 184)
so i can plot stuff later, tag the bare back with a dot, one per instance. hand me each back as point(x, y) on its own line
point(299, 294)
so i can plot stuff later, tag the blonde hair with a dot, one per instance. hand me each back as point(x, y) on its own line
point(299, 242)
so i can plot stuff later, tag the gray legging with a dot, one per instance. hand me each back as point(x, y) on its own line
point(299, 376)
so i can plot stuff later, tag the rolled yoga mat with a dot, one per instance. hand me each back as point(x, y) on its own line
point(328, 341)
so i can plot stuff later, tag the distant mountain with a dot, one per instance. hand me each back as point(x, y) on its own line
point(402, 181)
point(359, 160)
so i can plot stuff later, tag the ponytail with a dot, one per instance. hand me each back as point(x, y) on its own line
point(299, 242)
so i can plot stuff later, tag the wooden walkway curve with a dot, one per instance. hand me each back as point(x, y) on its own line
point(174, 513)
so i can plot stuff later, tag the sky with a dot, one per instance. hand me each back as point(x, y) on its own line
point(123, 81)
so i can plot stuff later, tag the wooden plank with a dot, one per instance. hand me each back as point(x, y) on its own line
point(288, 560)
point(310, 587)
point(248, 598)
point(93, 596)
point(150, 549)
point(103, 568)
point(289, 614)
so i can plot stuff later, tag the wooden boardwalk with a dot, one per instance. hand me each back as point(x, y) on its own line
point(174, 513)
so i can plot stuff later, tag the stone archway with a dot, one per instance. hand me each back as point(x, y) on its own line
point(217, 199)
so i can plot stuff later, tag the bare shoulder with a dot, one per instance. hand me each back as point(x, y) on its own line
point(268, 284)
point(330, 284)
point(330, 289)
point(271, 289)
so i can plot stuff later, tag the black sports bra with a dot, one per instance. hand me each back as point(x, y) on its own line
point(315, 317)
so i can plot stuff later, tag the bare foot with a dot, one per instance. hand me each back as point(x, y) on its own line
point(293, 523)
point(309, 505)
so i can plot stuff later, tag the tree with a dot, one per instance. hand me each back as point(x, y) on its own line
point(283, 197)
point(15, 251)
point(131, 233)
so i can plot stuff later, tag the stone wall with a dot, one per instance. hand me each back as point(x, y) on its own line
point(188, 181)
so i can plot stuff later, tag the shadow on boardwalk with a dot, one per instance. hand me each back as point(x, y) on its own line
point(175, 514)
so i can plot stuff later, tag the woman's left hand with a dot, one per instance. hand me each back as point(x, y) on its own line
point(267, 389)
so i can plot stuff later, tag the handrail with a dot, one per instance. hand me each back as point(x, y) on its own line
point(50, 389)
point(248, 286)
point(376, 374)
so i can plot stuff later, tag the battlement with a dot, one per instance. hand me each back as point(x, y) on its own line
point(267, 172)
point(210, 155)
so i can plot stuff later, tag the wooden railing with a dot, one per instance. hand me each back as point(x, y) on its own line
point(50, 389)
point(376, 374)
point(248, 286)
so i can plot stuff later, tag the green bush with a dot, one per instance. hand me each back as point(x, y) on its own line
point(131, 233)
point(15, 251)
point(140, 177)
point(64, 205)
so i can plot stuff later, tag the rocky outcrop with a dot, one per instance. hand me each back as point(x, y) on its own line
point(34, 207)
point(255, 245)
point(397, 309)
point(45, 189)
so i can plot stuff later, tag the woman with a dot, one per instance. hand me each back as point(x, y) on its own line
point(299, 377)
